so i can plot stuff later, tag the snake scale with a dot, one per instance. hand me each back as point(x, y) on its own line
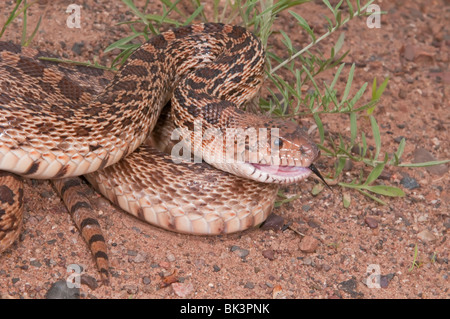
point(61, 121)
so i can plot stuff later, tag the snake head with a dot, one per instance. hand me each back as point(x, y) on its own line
point(270, 151)
point(289, 154)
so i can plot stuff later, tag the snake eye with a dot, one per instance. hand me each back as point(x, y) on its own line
point(278, 142)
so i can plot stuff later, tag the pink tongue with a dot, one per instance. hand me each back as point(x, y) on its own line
point(291, 171)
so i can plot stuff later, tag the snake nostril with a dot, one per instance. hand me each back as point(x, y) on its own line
point(303, 150)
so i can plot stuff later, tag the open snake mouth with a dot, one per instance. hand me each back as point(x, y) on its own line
point(290, 172)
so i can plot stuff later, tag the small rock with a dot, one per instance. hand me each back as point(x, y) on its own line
point(269, 254)
point(447, 223)
point(47, 194)
point(199, 263)
point(51, 241)
point(89, 281)
point(182, 289)
point(140, 258)
point(426, 236)
point(130, 289)
point(60, 290)
point(146, 280)
point(313, 224)
point(35, 263)
point(216, 268)
point(371, 222)
point(307, 261)
point(77, 46)
point(385, 279)
point(249, 285)
point(348, 166)
point(309, 244)
point(349, 286)
point(132, 252)
point(240, 251)
point(273, 222)
point(398, 139)
point(306, 207)
point(421, 155)
point(408, 52)
point(164, 264)
point(170, 257)
point(402, 93)
point(409, 182)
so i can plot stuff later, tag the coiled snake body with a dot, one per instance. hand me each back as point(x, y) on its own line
point(58, 121)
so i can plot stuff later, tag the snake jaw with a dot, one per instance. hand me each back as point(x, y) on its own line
point(280, 174)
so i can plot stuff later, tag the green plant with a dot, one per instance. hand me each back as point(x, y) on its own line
point(25, 41)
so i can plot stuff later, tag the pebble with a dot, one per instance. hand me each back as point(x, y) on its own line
point(249, 285)
point(421, 155)
point(182, 289)
point(146, 280)
point(47, 194)
point(307, 261)
point(349, 286)
point(77, 46)
point(326, 267)
point(89, 281)
point(216, 268)
point(140, 258)
point(132, 252)
point(269, 254)
point(426, 236)
point(371, 222)
point(170, 257)
point(398, 139)
point(35, 263)
point(273, 222)
point(240, 251)
point(447, 223)
point(130, 289)
point(385, 279)
point(409, 182)
point(309, 244)
point(60, 290)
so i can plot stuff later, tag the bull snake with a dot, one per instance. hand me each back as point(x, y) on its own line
point(58, 122)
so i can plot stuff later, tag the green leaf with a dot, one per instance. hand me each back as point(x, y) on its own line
point(319, 127)
point(317, 189)
point(376, 136)
point(399, 153)
point(346, 200)
point(374, 173)
point(193, 15)
point(349, 83)
point(353, 127)
point(119, 44)
point(302, 22)
point(339, 43)
point(424, 164)
point(386, 190)
point(372, 197)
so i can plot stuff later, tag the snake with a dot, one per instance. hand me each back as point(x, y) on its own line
point(116, 129)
